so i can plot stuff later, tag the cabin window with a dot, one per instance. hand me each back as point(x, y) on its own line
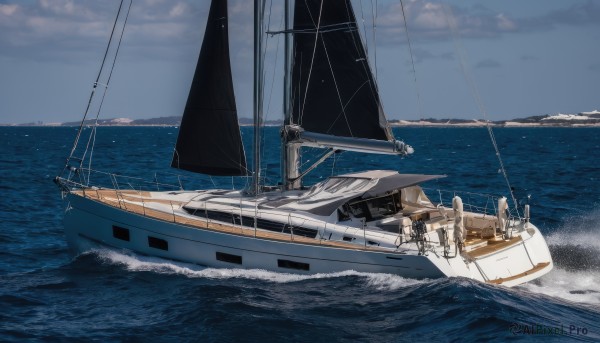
point(359, 209)
point(221, 256)
point(247, 221)
point(292, 265)
point(158, 243)
point(342, 213)
point(376, 208)
point(347, 239)
point(120, 233)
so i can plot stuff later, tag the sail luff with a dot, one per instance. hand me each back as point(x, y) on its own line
point(209, 139)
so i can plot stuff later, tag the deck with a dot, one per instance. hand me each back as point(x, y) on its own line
point(141, 203)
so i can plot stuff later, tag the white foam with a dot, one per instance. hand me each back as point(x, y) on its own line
point(136, 263)
point(581, 286)
point(582, 230)
point(389, 282)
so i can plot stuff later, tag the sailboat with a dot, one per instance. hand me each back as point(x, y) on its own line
point(375, 221)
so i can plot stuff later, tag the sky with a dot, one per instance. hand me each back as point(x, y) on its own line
point(493, 60)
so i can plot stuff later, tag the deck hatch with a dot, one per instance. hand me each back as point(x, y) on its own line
point(221, 256)
point(120, 233)
point(158, 243)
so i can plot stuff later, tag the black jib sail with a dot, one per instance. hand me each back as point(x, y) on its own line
point(209, 140)
point(333, 89)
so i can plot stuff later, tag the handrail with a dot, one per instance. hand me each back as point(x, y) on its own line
point(470, 201)
point(113, 179)
point(476, 202)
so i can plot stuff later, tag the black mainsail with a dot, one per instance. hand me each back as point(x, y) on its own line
point(333, 89)
point(209, 140)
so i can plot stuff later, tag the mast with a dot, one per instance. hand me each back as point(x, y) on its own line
point(286, 92)
point(290, 152)
point(257, 93)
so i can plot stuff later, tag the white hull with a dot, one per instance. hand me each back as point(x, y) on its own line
point(89, 222)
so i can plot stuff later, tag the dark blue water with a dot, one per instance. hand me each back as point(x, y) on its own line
point(48, 295)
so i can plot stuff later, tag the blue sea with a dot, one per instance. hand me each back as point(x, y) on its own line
point(47, 294)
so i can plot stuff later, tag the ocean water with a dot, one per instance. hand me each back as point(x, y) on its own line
point(46, 294)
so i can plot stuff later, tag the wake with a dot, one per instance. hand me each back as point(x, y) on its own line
point(138, 263)
point(575, 249)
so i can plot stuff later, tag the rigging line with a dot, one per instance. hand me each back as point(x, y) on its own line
point(412, 60)
point(475, 92)
point(323, 157)
point(292, 90)
point(114, 61)
point(362, 17)
point(76, 142)
point(263, 75)
point(333, 165)
point(374, 15)
point(309, 161)
point(337, 90)
point(299, 109)
point(276, 58)
point(273, 73)
point(360, 51)
point(312, 60)
point(324, 28)
point(346, 105)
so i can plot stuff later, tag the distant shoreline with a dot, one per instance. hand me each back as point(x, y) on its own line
point(405, 124)
point(483, 124)
point(583, 119)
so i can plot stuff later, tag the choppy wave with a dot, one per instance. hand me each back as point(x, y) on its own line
point(575, 249)
point(121, 296)
point(573, 286)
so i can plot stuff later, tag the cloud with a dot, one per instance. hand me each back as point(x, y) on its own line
point(8, 10)
point(432, 20)
point(576, 15)
point(488, 63)
point(68, 30)
point(72, 30)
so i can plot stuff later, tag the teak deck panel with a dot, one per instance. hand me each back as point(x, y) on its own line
point(493, 246)
point(537, 268)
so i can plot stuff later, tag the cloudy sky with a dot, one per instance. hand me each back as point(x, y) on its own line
point(524, 57)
